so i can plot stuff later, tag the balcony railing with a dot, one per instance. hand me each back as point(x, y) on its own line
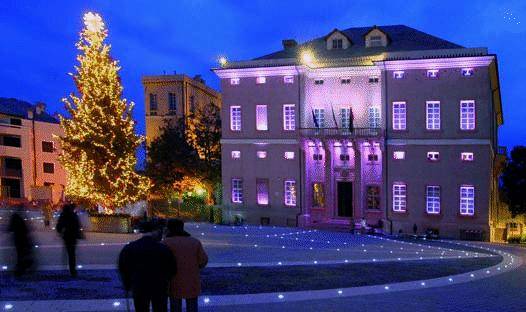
point(341, 132)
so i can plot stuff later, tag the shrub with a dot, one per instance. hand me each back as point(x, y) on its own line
point(217, 215)
point(514, 240)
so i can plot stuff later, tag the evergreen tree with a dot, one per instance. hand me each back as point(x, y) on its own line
point(99, 142)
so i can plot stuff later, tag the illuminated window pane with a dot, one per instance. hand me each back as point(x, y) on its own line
point(373, 197)
point(467, 115)
point(237, 190)
point(399, 154)
point(433, 156)
point(399, 74)
point(467, 200)
point(433, 115)
point(433, 199)
point(318, 195)
point(261, 117)
point(234, 81)
point(288, 79)
point(399, 197)
point(289, 155)
point(399, 116)
point(261, 80)
point(290, 192)
point(466, 156)
point(236, 154)
point(262, 191)
point(432, 73)
point(235, 118)
point(289, 117)
point(262, 154)
point(319, 117)
point(374, 117)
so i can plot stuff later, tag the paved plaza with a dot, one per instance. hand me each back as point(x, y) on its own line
point(270, 249)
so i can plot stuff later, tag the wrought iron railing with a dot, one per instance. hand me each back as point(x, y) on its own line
point(338, 132)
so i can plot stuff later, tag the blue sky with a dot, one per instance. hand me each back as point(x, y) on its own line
point(149, 37)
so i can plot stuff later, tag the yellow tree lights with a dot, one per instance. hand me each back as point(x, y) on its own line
point(99, 142)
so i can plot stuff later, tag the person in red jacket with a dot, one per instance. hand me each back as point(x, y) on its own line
point(191, 258)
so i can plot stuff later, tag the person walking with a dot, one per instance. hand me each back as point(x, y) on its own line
point(146, 267)
point(191, 258)
point(22, 241)
point(68, 226)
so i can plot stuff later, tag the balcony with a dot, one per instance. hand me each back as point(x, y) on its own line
point(341, 132)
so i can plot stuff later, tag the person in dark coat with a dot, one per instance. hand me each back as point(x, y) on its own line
point(191, 258)
point(146, 267)
point(68, 226)
point(22, 240)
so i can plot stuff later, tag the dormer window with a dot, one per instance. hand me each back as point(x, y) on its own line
point(337, 40)
point(376, 37)
point(337, 43)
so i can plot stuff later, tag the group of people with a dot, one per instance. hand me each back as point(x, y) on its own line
point(164, 263)
point(155, 269)
point(68, 226)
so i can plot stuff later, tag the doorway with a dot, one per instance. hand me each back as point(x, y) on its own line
point(345, 199)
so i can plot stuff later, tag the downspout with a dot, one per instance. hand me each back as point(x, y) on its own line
point(300, 151)
point(34, 149)
point(386, 158)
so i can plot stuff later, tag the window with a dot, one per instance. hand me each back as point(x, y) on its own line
point(345, 118)
point(466, 156)
point(318, 81)
point(10, 140)
point(237, 190)
point(467, 72)
point(467, 115)
point(288, 79)
point(47, 147)
point(318, 195)
point(290, 192)
point(234, 81)
point(373, 80)
point(467, 200)
point(288, 155)
point(375, 41)
point(374, 117)
point(399, 197)
point(235, 154)
point(372, 157)
point(172, 103)
point(399, 116)
point(433, 115)
point(235, 118)
point(153, 104)
point(262, 191)
point(344, 157)
point(261, 154)
point(373, 197)
point(433, 199)
point(433, 156)
point(261, 118)
point(289, 117)
point(317, 157)
point(337, 43)
point(345, 80)
point(399, 155)
point(261, 80)
point(432, 73)
point(49, 167)
point(319, 118)
point(399, 74)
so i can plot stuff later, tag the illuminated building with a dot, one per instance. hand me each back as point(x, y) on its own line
point(29, 151)
point(384, 123)
point(168, 97)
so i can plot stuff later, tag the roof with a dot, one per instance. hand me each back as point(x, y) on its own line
point(402, 38)
point(19, 108)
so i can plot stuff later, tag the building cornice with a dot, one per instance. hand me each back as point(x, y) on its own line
point(258, 71)
point(437, 63)
point(259, 141)
point(342, 71)
point(438, 142)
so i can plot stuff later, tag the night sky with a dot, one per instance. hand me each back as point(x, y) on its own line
point(38, 38)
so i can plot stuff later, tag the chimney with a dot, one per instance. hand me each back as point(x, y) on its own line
point(40, 108)
point(289, 44)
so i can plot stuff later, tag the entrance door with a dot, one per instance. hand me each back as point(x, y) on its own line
point(344, 199)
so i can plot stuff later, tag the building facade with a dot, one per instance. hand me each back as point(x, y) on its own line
point(384, 123)
point(29, 151)
point(169, 97)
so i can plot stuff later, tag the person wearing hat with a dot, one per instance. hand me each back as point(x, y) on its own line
point(191, 258)
point(146, 267)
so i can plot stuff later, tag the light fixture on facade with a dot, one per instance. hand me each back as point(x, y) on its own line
point(222, 61)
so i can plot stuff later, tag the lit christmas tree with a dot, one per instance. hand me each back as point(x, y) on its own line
point(99, 142)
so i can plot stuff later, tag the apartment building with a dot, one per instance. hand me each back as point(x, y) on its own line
point(169, 97)
point(29, 151)
point(385, 123)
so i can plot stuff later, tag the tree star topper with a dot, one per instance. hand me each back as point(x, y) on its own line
point(93, 22)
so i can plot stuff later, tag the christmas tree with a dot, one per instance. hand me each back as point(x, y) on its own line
point(99, 142)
